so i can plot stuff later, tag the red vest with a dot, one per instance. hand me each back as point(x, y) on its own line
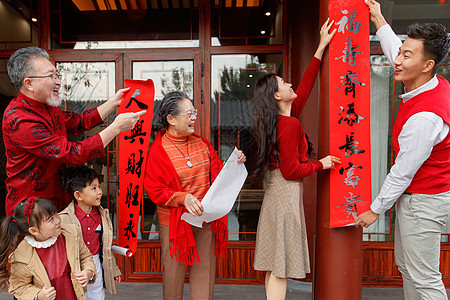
point(433, 177)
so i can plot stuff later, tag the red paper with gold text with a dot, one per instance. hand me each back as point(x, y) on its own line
point(349, 111)
point(133, 148)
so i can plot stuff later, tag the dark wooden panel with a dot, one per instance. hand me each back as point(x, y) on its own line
point(238, 263)
point(379, 269)
point(235, 268)
point(391, 281)
point(378, 259)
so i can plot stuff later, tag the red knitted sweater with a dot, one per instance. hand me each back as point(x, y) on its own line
point(293, 159)
point(161, 182)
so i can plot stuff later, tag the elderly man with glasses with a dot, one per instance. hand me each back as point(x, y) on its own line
point(35, 130)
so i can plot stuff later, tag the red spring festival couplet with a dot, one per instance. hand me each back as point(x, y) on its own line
point(133, 148)
point(349, 111)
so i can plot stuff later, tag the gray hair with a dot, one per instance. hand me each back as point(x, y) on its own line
point(19, 64)
point(169, 106)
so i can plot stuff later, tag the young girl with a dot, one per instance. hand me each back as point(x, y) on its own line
point(48, 261)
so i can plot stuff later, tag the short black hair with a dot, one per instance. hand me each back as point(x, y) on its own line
point(76, 178)
point(435, 40)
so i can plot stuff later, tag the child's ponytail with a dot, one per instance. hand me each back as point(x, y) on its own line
point(9, 239)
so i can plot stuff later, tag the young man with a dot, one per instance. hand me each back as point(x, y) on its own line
point(35, 130)
point(419, 181)
point(93, 222)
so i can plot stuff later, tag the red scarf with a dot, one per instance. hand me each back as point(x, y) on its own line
point(161, 181)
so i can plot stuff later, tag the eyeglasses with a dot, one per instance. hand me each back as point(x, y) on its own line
point(52, 76)
point(189, 114)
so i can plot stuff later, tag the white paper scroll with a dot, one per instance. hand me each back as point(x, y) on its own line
point(222, 194)
point(121, 251)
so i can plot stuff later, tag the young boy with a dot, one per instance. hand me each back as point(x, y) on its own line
point(93, 222)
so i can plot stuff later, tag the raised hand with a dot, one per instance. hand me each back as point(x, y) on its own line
point(126, 121)
point(123, 122)
point(375, 13)
point(118, 97)
point(109, 106)
point(325, 37)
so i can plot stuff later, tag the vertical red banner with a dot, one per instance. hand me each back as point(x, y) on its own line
point(133, 149)
point(349, 111)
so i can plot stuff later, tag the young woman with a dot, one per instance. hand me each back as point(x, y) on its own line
point(48, 261)
point(284, 149)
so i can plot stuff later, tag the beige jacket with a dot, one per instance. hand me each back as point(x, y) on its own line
point(110, 269)
point(28, 274)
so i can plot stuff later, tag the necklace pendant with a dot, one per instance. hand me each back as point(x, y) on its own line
point(189, 164)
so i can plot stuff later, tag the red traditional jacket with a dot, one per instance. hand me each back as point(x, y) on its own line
point(161, 181)
point(37, 149)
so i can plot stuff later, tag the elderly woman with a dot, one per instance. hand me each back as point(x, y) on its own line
point(180, 169)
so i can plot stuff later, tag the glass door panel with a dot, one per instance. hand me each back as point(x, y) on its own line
point(232, 81)
point(168, 76)
point(384, 107)
point(87, 85)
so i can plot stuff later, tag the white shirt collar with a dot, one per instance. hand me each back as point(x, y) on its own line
point(431, 84)
point(45, 244)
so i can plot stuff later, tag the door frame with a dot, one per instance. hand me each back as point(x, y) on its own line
point(148, 251)
point(173, 54)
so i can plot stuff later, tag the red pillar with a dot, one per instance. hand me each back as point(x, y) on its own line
point(338, 257)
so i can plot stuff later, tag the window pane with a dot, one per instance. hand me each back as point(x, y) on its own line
point(7, 90)
point(85, 86)
point(263, 22)
point(384, 106)
point(233, 79)
point(381, 84)
point(401, 13)
point(444, 71)
point(109, 21)
point(168, 76)
point(444, 68)
point(18, 15)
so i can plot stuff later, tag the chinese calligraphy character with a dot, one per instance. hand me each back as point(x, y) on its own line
point(136, 132)
point(350, 205)
point(349, 81)
point(348, 22)
point(353, 26)
point(350, 146)
point(132, 194)
point(129, 229)
point(139, 104)
point(351, 179)
point(351, 116)
point(342, 22)
point(349, 53)
point(133, 166)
